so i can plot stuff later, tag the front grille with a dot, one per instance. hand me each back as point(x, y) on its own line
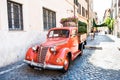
point(42, 54)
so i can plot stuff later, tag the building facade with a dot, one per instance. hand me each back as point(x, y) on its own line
point(115, 8)
point(85, 12)
point(24, 23)
point(90, 15)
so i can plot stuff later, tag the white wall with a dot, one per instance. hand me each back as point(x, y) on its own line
point(3, 15)
point(14, 44)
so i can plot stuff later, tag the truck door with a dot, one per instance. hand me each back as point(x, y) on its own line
point(74, 41)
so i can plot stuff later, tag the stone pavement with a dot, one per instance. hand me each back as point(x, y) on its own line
point(101, 62)
point(117, 40)
point(109, 55)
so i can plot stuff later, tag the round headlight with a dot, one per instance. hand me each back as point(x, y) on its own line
point(34, 48)
point(53, 49)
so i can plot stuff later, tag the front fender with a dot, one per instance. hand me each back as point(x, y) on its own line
point(64, 52)
point(31, 55)
point(59, 57)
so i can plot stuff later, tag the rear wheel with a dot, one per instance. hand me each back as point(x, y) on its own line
point(66, 64)
point(84, 44)
point(81, 48)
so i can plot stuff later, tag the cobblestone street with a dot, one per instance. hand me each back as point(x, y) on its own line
point(80, 69)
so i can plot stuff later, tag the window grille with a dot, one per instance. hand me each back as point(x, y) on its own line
point(15, 19)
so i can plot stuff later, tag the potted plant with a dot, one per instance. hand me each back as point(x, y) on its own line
point(70, 21)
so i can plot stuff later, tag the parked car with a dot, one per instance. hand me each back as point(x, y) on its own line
point(61, 47)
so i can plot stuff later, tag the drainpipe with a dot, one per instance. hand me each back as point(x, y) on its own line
point(74, 11)
point(74, 8)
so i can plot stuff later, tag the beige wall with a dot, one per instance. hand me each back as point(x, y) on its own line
point(91, 15)
point(83, 3)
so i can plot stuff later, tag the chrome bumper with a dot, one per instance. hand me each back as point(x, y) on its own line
point(45, 66)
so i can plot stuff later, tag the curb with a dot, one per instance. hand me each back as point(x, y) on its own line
point(93, 47)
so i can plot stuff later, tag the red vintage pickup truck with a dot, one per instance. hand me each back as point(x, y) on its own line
point(61, 47)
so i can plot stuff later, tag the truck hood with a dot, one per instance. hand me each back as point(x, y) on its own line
point(54, 42)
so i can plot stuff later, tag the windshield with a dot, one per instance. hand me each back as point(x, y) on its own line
point(59, 33)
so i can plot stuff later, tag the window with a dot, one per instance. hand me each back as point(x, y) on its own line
point(83, 11)
point(59, 33)
point(76, 2)
point(118, 3)
point(79, 9)
point(86, 0)
point(15, 19)
point(49, 19)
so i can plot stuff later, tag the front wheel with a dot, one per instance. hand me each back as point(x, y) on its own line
point(66, 64)
point(30, 66)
